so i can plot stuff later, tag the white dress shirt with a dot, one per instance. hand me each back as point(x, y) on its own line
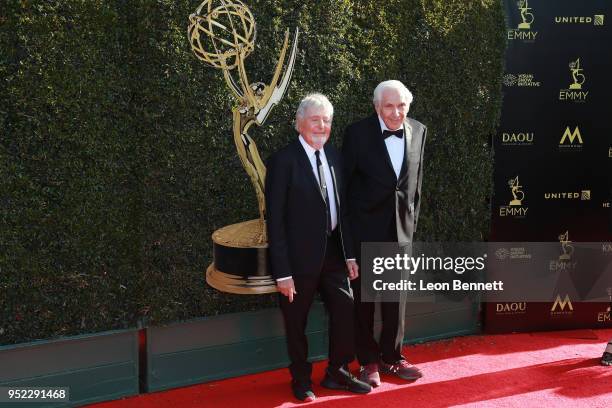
point(395, 146)
point(310, 152)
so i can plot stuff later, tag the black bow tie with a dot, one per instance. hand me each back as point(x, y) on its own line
point(399, 133)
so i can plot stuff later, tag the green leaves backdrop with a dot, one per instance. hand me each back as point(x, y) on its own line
point(116, 153)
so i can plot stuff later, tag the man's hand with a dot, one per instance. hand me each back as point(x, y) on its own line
point(287, 288)
point(353, 269)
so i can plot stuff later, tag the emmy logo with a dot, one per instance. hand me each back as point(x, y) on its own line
point(577, 75)
point(517, 194)
point(609, 309)
point(222, 35)
point(566, 247)
point(526, 15)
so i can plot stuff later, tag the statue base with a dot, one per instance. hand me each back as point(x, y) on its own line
point(240, 260)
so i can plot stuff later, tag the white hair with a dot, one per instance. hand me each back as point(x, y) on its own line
point(392, 84)
point(313, 100)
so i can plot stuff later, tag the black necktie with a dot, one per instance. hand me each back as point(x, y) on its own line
point(323, 187)
point(399, 133)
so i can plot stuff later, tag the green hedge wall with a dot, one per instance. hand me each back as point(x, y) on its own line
point(117, 160)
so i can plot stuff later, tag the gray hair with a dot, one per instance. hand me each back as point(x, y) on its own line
point(392, 84)
point(313, 100)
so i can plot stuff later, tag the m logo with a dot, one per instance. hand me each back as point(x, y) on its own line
point(562, 303)
point(568, 134)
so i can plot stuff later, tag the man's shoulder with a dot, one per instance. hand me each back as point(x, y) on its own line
point(362, 124)
point(284, 154)
point(415, 124)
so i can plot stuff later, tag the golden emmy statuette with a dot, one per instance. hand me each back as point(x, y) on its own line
point(526, 15)
point(566, 247)
point(577, 75)
point(515, 189)
point(222, 35)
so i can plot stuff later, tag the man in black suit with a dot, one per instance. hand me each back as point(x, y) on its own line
point(383, 157)
point(310, 246)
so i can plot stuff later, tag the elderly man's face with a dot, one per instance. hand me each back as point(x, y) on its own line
point(315, 127)
point(392, 108)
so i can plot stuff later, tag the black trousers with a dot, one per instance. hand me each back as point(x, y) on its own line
point(389, 347)
point(333, 284)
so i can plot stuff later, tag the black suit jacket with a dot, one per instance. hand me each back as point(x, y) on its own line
point(382, 207)
point(296, 218)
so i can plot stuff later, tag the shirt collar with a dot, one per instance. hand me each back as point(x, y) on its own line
point(384, 127)
point(310, 151)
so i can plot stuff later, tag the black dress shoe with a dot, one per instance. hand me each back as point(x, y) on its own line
point(342, 379)
point(402, 369)
point(302, 390)
point(606, 359)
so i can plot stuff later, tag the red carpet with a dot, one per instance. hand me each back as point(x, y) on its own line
point(554, 369)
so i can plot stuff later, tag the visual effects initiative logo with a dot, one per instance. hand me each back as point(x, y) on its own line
point(520, 80)
point(515, 207)
point(523, 30)
point(517, 138)
point(571, 139)
point(575, 91)
point(562, 306)
point(596, 20)
point(565, 260)
point(512, 253)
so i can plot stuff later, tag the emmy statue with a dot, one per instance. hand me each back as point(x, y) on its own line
point(526, 15)
point(566, 247)
point(222, 35)
point(577, 75)
point(515, 189)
